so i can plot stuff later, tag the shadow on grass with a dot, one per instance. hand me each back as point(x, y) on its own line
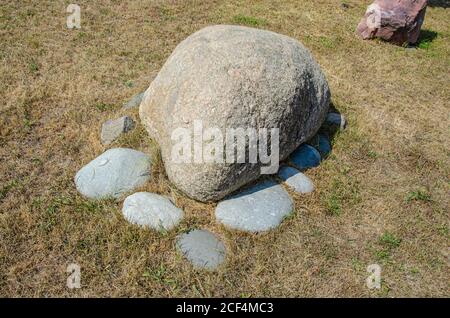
point(439, 3)
point(425, 39)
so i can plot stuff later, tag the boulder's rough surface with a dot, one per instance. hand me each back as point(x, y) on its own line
point(230, 77)
point(202, 249)
point(151, 210)
point(113, 173)
point(112, 129)
point(296, 180)
point(396, 21)
point(135, 101)
point(257, 209)
point(305, 157)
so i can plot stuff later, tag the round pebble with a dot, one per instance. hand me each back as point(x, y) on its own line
point(113, 173)
point(305, 157)
point(323, 145)
point(296, 180)
point(151, 210)
point(202, 249)
point(336, 119)
point(257, 209)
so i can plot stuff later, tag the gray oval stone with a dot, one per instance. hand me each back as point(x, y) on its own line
point(336, 119)
point(151, 210)
point(113, 173)
point(260, 208)
point(305, 157)
point(322, 144)
point(202, 249)
point(296, 180)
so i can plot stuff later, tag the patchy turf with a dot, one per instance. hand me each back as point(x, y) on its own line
point(382, 196)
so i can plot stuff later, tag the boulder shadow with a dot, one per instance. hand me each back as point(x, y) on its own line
point(439, 3)
point(425, 38)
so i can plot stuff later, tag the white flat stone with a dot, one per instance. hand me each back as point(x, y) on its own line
point(113, 173)
point(151, 210)
point(258, 209)
point(296, 180)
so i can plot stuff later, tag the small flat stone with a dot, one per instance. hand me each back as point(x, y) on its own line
point(296, 180)
point(305, 157)
point(257, 209)
point(112, 129)
point(202, 249)
point(335, 119)
point(113, 173)
point(135, 101)
point(151, 210)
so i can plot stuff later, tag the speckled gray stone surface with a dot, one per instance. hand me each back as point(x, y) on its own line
point(135, 101)
point(296, 180)
point(229, 76)
point(257, 209)
point(202, 249)
point(151, 210)
point(112, 129)
point(113, 173)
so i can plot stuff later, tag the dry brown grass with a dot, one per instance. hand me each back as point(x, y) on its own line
point(382, 197)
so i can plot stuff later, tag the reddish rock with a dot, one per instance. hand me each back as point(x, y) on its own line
point(396, 21)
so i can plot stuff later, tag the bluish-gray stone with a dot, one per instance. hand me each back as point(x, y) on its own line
point(113, 173)
point(322, 144)
point(260, 208)
point(151, 210)
point(135, 101)
point(305, 157)
point(296, 180)
point(336, 119)
point(202, 249)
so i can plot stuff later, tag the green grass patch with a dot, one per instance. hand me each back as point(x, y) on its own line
point(334, 205)
point(344, 192)
point(326, 42)
point(388, 242)
point(425, 39)
point(7, 188)
point(103, 107)
point(418, 195)
point(249, 21)
point(388, 239)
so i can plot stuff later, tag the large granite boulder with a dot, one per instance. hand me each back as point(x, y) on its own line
point(233, 77)
point(396, 21)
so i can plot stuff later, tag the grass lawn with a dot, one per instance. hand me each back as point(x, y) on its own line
point(382, 197)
